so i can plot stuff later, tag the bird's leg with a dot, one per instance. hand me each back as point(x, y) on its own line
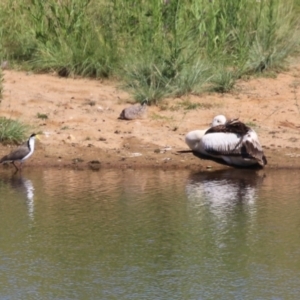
point(17, 169)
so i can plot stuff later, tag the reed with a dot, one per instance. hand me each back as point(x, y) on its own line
point(12, 131)
point(158, 48)
point(1, 85)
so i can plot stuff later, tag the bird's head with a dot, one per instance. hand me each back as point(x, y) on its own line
point(35, 136)
point(218, 120)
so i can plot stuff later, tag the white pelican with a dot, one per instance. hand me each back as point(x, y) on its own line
point(193, 138)
point(232, 141)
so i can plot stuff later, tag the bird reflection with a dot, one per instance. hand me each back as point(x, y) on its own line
point(25, 187)
point(222, 191)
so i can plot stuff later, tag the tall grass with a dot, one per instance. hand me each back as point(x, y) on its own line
point(157, 47)
point(12, 131)
point(1, 85)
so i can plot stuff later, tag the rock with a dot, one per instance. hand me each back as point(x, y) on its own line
point(94, 165)
point(137, 111)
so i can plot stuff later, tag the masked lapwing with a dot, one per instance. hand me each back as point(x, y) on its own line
point(20, 154)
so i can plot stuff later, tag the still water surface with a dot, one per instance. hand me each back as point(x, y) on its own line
point(149, 235)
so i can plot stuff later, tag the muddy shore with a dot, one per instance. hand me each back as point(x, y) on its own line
point(82, 129)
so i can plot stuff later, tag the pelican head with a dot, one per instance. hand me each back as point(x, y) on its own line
point(218, 120)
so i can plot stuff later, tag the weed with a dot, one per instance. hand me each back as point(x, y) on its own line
point(12, 131)
point(42, 116)
point(223, 81)
point(155, 116)
point(90, 102)
point(186, 105)
point(1, 85)
point(251, 124)
point(295, 86)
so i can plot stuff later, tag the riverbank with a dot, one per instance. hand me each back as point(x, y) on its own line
point(80, 126)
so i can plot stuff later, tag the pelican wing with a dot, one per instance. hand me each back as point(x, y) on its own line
point(220, 143)
point(253, 149)
point(231, 126)
point(224, 145)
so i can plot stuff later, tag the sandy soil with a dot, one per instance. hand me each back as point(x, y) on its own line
point(83, 124)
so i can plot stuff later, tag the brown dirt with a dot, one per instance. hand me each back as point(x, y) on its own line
point(82, 124)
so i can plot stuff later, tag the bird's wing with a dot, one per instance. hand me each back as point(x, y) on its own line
point(253, 148)
point(231, 126)
point(17, 154)
point(220, 143)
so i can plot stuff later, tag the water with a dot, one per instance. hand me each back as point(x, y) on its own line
point(149, 235)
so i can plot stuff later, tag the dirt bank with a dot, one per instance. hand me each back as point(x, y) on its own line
point(82, 124)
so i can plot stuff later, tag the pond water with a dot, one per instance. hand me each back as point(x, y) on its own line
point(144, 234)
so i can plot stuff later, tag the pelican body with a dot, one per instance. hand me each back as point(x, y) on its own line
point(232, 141)
point(193, 138)
point(21, 153)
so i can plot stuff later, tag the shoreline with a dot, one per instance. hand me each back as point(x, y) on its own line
point(163, 161)
point(82, 122)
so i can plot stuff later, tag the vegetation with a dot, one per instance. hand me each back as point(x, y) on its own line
point(42, 116)
point(12, 131)
point(158, 48)
point(1, 85)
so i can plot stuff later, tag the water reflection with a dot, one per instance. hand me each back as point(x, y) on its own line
point(221, 191)
point(220, 198)
point(23, 186)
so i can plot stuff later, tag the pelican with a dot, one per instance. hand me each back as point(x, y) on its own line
point(21, 153)
point(193, 138)
point(232, 141)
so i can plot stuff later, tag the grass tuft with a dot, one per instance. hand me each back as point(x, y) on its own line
point(223, 81)
point(1, 85)
point(42, 116)
point(12, 131)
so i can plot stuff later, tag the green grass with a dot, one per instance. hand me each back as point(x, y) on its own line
point(42, 116)
point(1, 85)
point(156, 48)
point(223, 80)
point(12, 131)
point(251, 124)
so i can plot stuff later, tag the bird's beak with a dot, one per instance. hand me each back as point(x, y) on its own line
point(38, 137)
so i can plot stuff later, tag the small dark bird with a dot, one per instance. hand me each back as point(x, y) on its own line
point(21, 153)
point(137, 111)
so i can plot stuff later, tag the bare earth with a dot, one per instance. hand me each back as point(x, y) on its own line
point(82, 124)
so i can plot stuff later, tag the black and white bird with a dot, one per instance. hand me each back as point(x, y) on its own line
point(193, 138)
point(20, 154)
point(232, 141)
point(137, 111)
